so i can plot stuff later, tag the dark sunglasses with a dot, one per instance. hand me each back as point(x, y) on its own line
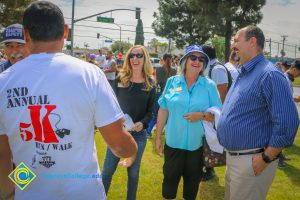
point(194, 58)
point(138, 55)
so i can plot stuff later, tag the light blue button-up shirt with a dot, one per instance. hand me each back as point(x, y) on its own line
point(179, 100)
point(259, 110)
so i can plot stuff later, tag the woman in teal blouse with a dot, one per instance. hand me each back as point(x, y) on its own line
point(182, 106)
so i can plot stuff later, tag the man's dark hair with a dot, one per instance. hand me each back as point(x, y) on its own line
point(44, 21)
point(167, 56)
point(210, 51)
point(254, 31)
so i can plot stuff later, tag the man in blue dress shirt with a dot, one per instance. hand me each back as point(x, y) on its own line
point(254, 125)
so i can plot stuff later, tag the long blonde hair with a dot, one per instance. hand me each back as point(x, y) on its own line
point(126, 71)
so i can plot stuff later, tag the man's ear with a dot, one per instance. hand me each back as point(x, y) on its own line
point(253, 41)
point(27, 36)
point(66, 31)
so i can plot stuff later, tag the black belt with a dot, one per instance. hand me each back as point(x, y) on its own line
point(232, 153)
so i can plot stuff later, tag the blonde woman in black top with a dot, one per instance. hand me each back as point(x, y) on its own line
point(135, 91)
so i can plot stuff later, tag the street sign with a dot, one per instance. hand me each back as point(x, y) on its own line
point(108, 41)
point(105, 19)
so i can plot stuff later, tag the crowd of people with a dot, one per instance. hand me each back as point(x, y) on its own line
point(50, 99)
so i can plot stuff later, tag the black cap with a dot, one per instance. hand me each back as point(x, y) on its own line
point(287, 64)
point(296, 64)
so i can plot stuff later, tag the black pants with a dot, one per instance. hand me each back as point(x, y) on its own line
point(182, 163)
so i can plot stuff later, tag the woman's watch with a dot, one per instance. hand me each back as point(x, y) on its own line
point(266, 158)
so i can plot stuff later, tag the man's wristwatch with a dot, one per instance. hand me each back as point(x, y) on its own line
point(266, 158)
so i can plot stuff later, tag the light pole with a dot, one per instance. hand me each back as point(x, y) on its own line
point(137, 11)
point(72, 27)
point(120, 44)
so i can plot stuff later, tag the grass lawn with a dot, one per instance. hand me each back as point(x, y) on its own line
point(297, 82)
point(286, 185)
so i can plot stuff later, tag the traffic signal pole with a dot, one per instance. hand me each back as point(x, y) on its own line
point(73, 21)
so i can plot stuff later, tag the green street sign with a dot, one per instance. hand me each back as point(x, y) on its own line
point(105, 19)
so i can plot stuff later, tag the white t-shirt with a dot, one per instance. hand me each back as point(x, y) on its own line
point(101, 59)
point(49, 105)
point(108, 65)
point(218, 73)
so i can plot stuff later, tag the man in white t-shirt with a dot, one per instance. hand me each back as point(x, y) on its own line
point(218, 71)
point(100, 59)
point(110, 67)
point(49, 106)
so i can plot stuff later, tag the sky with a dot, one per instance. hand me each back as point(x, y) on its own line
point(280, 18)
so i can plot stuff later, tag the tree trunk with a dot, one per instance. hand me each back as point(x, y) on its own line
point(228, 35)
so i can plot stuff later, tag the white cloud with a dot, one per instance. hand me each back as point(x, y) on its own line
point(281, 2)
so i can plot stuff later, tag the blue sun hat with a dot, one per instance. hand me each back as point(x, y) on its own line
point(191, 49)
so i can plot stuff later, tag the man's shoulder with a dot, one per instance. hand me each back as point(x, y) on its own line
point(219, 68)
point(3, 66)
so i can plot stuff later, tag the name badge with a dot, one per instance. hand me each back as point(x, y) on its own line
point(178, 89)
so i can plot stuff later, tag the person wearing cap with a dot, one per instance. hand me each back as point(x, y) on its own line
point(285, 66)
point(291, 73)
point(183, 106)
point(161, 76)
point(93, 59)
point(120, 62)
point(259, 119)
point(15, 46)
point(50, 104)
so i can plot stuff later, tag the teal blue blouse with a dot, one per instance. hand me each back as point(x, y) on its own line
point(179, 100)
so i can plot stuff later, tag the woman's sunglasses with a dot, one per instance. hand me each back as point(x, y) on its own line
point(138, 55)
point(194, 58)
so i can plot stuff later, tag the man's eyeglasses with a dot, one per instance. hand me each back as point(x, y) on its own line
point(138, 55)
point(194, 58)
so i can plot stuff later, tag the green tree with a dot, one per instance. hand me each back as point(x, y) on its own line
point(139, 37)
point(195, 21)
point(11, 11)
point(156, 45)
point(219, 44)
point(123, 46)
point(227, 16)
point(175, 20)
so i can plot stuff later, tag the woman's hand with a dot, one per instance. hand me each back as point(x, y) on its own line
point(192, 117)
point(138, 126)
point(196, 116)
point(127, 162)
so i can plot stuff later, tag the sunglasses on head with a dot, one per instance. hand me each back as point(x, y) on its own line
point(194, 58)
point(138, 55)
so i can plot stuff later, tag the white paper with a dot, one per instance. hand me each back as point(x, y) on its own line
point(128, 123)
